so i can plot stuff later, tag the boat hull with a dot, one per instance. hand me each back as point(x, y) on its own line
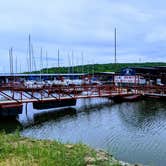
point(126, 98)
point(155, 97)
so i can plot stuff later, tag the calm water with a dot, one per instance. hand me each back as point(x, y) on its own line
point(132, 132)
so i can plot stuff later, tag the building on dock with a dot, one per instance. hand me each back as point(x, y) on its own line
point(142, 75)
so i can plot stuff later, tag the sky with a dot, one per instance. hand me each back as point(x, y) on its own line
point(82, 29)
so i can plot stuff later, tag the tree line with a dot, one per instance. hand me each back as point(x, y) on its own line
point(95, 68)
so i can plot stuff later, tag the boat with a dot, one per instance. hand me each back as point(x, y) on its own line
point(154, 97)
point(131, 97)
point(126, 98)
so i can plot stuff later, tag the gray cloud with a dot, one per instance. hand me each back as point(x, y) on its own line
point(83, 25)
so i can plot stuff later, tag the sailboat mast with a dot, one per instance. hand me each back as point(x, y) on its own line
point(115, 45)
point(58, 58)
point(29, 51)
point(41, 62)
point(69, 68)
point(16, 64)
point(46, 62)
point(82, 57)
point(41, 59)
point(33, 59)
point(72, 60)
point(10, 61)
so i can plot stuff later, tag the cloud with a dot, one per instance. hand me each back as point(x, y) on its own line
point(157, 35)
point(84, 26)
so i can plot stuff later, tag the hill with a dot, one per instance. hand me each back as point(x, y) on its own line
point(91, 68)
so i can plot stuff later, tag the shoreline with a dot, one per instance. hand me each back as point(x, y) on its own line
point(18, 150)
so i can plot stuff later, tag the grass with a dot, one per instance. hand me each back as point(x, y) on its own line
point(18, 151)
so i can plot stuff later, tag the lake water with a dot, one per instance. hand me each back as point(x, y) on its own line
point(132, 132)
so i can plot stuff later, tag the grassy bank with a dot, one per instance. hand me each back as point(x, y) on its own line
point(16, 150)
point(91, 68)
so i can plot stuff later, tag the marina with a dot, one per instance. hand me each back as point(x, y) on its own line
point(82, 107)
point(132, 131)
point(82, 83)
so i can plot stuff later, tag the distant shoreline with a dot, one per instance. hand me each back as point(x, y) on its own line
point(91, 68)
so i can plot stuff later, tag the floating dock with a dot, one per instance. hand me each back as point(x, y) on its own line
point(44, 97)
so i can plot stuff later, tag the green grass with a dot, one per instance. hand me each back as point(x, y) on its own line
point(16, 150)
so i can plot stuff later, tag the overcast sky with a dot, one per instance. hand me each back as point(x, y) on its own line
point(82, 26)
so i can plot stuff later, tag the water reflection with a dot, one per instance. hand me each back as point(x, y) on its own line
point(9, 125)
point(141, 115)
point(133, 132)
point(54, 115)
point(32, 116)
